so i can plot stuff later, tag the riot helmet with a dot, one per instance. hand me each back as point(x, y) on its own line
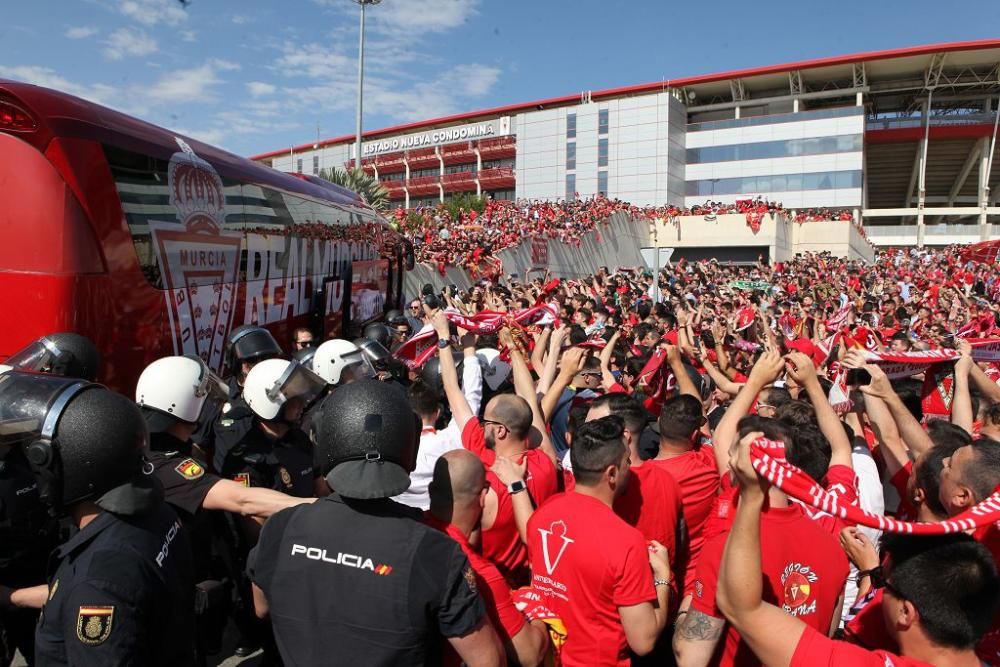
point(375, 352)
point(83, 441)
point(366, 442)
point(395, 317)
point(249, 343)
point(430, 373)
point(273, 383)
point(378, 332)
point(340, 361)
point(175, 389)
point(305, 356)
point(66, 354)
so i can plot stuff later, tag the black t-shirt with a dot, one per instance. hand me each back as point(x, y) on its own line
point(121, 593)
point(362, 583)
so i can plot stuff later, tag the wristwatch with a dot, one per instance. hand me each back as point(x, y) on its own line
point(443, 343)
point(516, 487)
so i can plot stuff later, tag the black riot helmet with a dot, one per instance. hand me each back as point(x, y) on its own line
point(366, 441)
point(305, 356)
point(251, 343)
point(83, 441)
point(67, 354)
point(378, 332)
point(396, 317)
point(375, 351)
point(431, 373)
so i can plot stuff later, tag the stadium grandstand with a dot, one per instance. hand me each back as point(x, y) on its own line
point(905, 140)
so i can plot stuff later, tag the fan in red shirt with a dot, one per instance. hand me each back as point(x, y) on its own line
point(803, 572)
point(652, 499)
point(458, 493)
point(939, 601)
point(692, 463)
point(593, 568)
point(503, 432)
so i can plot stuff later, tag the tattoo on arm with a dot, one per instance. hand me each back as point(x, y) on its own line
point(697, 626)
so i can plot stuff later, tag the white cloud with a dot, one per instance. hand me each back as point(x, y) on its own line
point(314, 61)
point(260, 89)
point(240, 19)
point(81, 32)
point(153, 12)
point(129, 42)
point(409, 17)
point(191, 85)
point(188, 35)
point(48, 78)
point(474, 80)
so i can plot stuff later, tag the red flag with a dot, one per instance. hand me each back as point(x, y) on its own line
point(416, 351)
point(985, 252)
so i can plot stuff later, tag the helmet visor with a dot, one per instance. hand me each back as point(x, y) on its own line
point(31, 403)
point(296, 382)
point(210, 386)
point(42, 356)
point(254, 345)
point(356, 367)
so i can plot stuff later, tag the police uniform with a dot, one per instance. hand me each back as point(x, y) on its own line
point(221, 428)
point(284, 465)
point(383, 587)
point(120, 593)
point(27, 536)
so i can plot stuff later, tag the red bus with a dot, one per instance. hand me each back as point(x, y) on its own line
point(154, 244)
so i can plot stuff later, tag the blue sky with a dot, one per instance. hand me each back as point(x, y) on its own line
point(258, 75)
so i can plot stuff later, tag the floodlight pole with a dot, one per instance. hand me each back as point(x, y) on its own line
point(361, 77)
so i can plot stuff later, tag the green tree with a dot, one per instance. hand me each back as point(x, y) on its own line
point(366, 185)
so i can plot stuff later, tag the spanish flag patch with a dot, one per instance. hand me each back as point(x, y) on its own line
point(93, 624)
point(190, 469)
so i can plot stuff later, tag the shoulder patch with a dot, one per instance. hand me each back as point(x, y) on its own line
point(286, 479)
point(243, 478)
point(93, 624)
point(190, 469)
point(470, 578)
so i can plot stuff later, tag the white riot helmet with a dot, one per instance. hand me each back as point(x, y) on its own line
point(274, 382)
point(495, 370)
point(340, 361)
point(175, 389)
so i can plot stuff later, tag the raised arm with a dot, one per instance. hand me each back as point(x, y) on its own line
point(764, 372)
point(772, 634)
point(548, 374)
point(961, 406)
point(803, 371)
point(538, 354)
point(644, 622)
point(684, 383)
point(570, 364)
point(461, 412)
point(607, 378)
point(524, 386)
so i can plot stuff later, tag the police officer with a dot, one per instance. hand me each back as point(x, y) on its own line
point(399, 585)
point(171, 393)
point(66, 354)
point(389, 368)
point(221, 429)
point(121, 589)
point(27, 532)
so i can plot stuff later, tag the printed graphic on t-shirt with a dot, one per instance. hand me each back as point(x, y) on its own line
point(799, 584)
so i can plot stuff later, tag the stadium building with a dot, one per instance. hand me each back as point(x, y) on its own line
point(905, 139)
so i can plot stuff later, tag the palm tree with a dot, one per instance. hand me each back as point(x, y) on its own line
point(366, 185)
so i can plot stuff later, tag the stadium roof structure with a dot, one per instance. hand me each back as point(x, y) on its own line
point(905, 72)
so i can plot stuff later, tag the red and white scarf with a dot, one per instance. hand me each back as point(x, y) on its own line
point(803, 488)
point(904, 364)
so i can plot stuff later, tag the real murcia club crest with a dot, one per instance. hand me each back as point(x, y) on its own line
point(554, 543)
point(199, 260)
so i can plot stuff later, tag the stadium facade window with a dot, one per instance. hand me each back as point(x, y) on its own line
point(433, 171)
point(315, 165)
point(298, 167)
point(845, 143)
point(505, 195)
point(602, 121)
point(459, 168)
point(570, 187)
point(571, 155)
point(505, 163)
point(395, 176)
point(571, 126)
point(602, 183)
point(837, 112)
point(753, 185)
point(602, 152)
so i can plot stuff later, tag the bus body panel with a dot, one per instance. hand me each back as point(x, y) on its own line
point(151, 244)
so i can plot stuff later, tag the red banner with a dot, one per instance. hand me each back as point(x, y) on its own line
point(904, 364)
point(539, 252)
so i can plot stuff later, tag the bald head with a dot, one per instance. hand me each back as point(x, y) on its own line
point(513, 412)
point(459, 479)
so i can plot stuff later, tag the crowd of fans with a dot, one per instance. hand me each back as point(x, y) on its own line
point(467, 239)
point(688, 377)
